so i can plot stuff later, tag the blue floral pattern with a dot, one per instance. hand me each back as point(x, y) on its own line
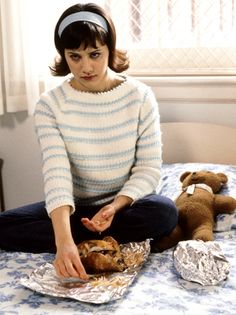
point(158, 288)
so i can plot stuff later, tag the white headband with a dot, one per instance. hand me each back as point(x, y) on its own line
point(85, 16)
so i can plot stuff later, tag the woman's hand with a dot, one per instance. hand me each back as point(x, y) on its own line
point(67, 262)
point(102, 219)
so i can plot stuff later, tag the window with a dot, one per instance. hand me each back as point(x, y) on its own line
point(176, 37)
point(167, 37)
point(163, 37)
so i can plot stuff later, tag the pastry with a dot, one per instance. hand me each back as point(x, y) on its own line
point(99, 256)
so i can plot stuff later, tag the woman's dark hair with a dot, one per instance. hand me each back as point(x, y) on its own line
point(87, 33)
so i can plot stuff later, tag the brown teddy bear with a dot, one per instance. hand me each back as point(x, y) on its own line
point(198, 206)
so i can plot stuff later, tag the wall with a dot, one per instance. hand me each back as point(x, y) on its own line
point(180, 99)
point(204, 99)
point(21, 172)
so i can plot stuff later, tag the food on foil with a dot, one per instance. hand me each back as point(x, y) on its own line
point(101, 255)
point(100, 287)
point(201, 262)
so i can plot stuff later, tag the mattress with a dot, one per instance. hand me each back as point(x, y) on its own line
point(158, 287)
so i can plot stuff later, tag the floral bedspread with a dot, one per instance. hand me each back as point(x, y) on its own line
point(158, 288)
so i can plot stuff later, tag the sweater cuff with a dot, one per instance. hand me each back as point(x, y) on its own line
point(60, 203)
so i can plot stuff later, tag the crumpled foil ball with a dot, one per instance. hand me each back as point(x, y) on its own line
point(201, 262)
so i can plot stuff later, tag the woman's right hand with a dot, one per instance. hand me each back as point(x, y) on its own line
point(67, 262)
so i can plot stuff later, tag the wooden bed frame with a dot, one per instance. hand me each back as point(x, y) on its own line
point(185, 142)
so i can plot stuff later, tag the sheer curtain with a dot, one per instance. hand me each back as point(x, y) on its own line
point(21, 87)
point(27, 49)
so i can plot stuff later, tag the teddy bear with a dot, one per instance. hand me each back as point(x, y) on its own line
point(198, 205)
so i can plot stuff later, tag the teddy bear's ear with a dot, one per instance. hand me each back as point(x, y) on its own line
point(223, 178)
point(184, 175)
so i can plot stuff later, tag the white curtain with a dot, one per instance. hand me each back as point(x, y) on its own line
point(27, 51)
point(20, 81)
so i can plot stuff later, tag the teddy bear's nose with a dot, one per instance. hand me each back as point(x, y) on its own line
point(194, 173)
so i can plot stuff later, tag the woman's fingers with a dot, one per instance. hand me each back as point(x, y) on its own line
point(68, 264)
point(89, 224)
point(101, 221)
point(95, 224)
point(60, 269)
point(76, 268)
point(69, 269)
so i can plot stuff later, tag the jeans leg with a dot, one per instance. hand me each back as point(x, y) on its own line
point(27, 229)
point(153, 216)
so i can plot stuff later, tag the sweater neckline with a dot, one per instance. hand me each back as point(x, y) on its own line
point(116, 88)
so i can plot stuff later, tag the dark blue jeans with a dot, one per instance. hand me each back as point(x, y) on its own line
point(29, 229)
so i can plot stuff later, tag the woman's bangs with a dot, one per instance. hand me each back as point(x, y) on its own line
point(83, 33)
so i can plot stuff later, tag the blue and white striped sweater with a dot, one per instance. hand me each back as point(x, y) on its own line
point(98, 145)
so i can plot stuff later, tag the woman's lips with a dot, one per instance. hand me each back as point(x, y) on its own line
point(88, 78)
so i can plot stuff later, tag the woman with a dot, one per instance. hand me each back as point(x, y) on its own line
point(100, 138)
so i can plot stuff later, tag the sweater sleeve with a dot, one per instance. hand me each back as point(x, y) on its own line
point(57, 176)
point(145, 173)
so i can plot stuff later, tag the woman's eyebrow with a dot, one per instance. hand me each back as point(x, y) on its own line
point(72, 51)
point(96, 49)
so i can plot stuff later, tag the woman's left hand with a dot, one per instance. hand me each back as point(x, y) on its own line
point(102, 219)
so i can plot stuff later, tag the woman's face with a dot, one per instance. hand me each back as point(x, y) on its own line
point(89, 67)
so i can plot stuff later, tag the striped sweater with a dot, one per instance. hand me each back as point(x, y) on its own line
point(96, 146)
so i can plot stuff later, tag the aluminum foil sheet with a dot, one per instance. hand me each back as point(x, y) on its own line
point(98, 289)
point(201, 262)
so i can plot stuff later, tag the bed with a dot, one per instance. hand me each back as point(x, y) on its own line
point(158, 288)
